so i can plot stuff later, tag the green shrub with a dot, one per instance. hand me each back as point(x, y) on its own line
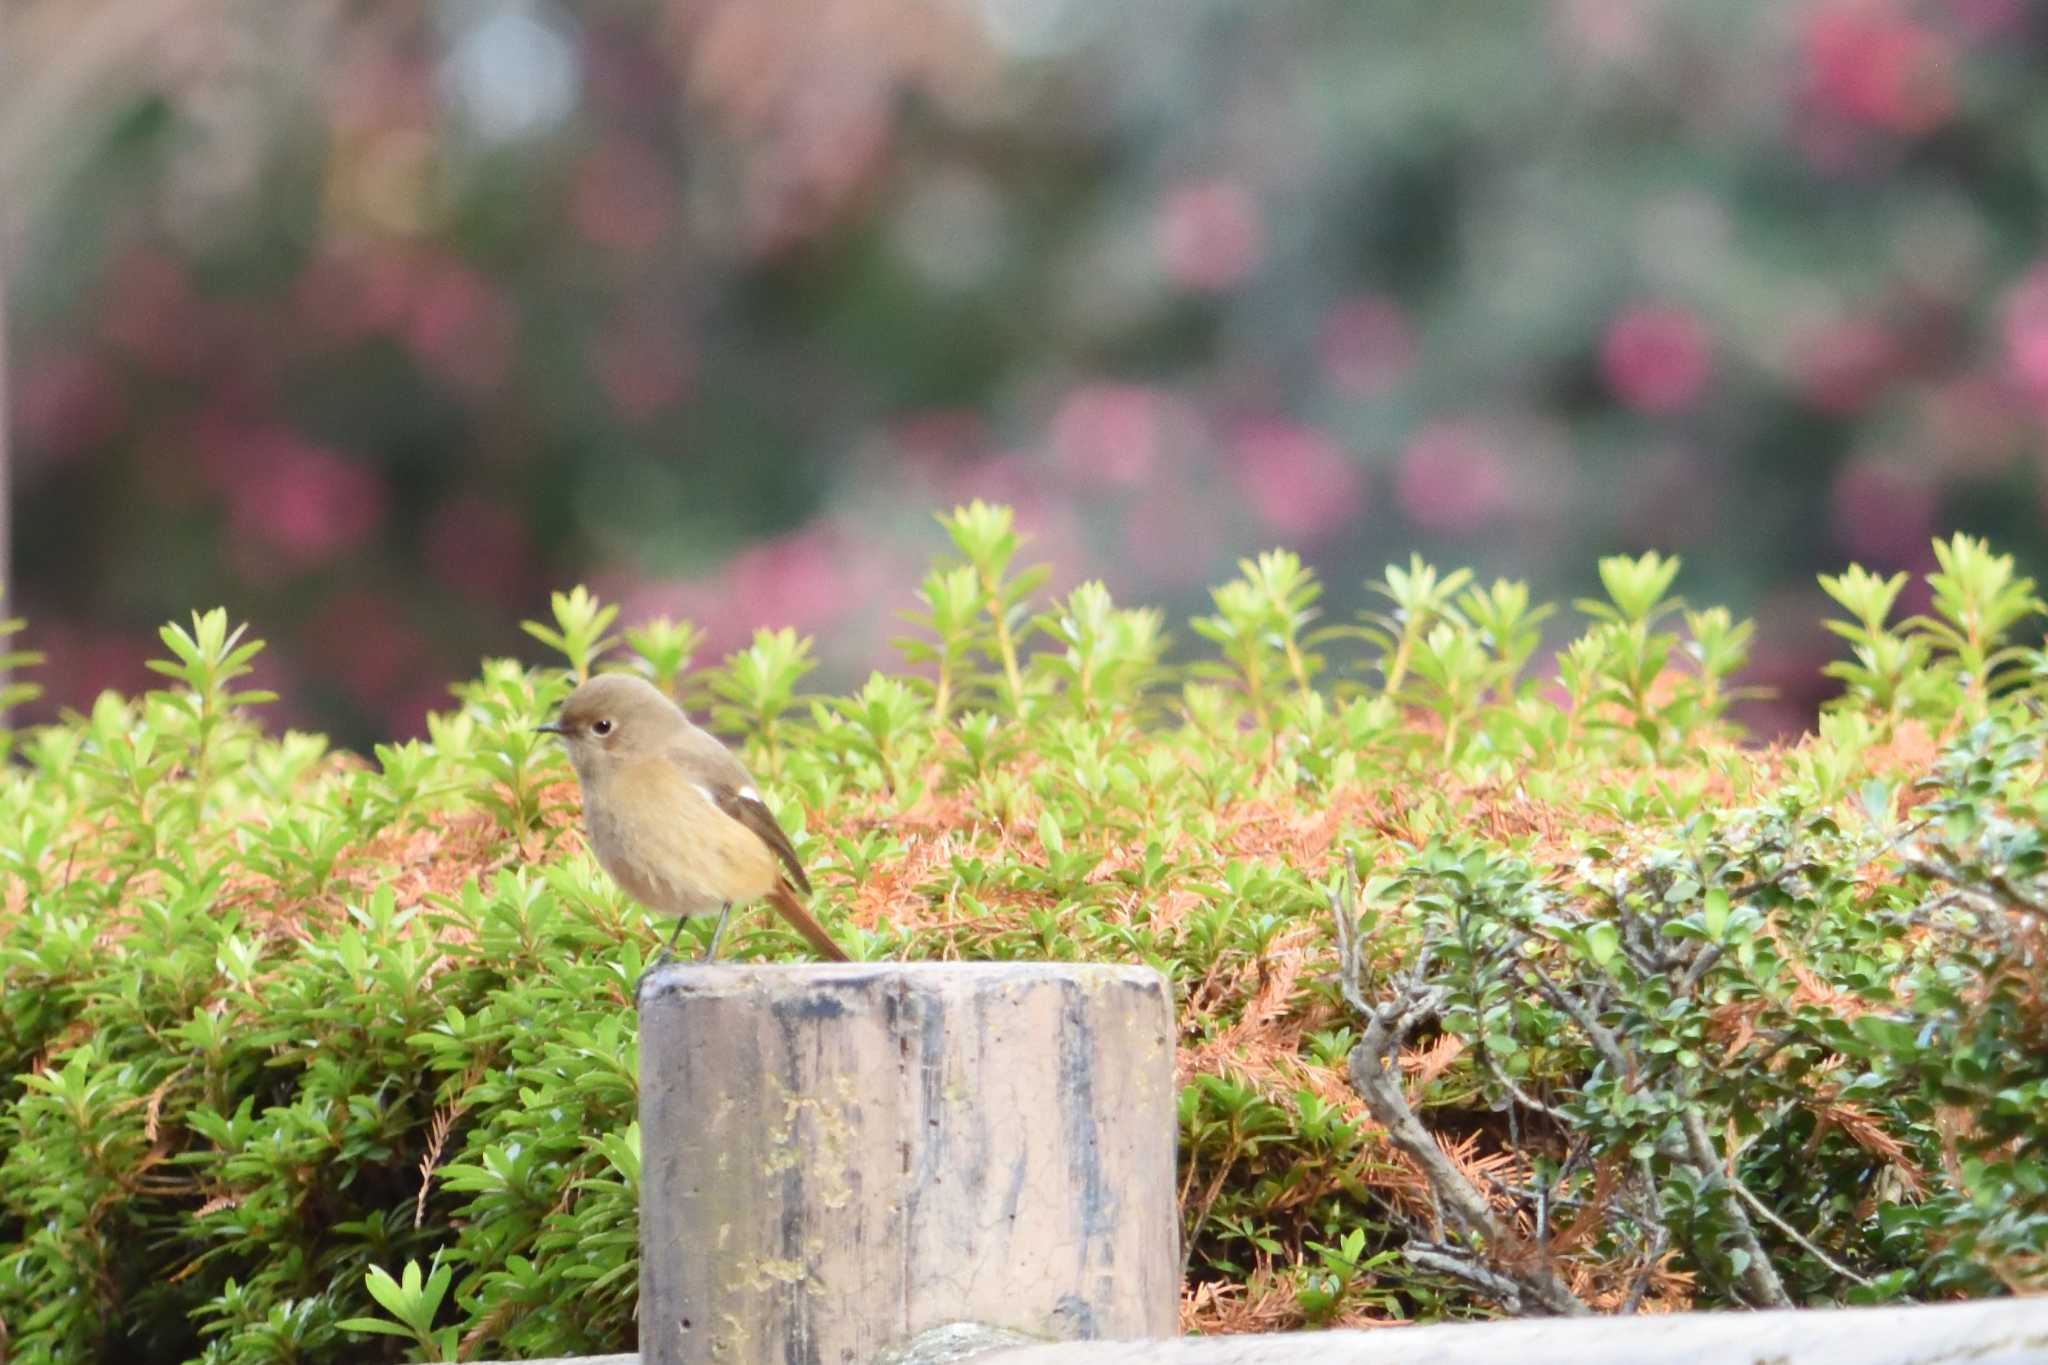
point(304, 1057)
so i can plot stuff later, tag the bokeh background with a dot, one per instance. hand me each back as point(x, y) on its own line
point(375, 321)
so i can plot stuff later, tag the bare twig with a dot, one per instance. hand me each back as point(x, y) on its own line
point(1759, 1207)
point(1759, 1278)
point(1519, 1095)
point(1602, 1039)
point(1528, 1285)
point(2010, 895)
point(1785, 1107)
point(1350, 943)
point(1701, 965)
point(1459, 1264)
point(1653, 1255)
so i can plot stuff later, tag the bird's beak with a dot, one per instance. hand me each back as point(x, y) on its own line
point(549, 727)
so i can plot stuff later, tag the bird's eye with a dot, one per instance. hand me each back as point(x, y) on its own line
point(600, 727)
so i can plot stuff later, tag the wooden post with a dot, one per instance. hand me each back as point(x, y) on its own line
point(835, 1159)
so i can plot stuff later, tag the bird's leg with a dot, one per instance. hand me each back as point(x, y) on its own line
point(668, 949)
point(724, 913)
point(666, 955)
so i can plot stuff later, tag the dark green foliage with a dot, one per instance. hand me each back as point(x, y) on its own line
point(309, 1059)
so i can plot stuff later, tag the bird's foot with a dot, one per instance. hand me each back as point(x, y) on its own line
point(661, 959)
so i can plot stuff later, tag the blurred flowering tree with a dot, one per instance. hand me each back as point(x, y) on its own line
point(376, 319)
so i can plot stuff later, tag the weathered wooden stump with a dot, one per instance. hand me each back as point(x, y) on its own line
point(837, 1158)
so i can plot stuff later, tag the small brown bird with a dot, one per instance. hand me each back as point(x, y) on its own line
point(671, 813)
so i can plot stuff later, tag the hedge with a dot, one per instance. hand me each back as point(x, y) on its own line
point(306, 1056)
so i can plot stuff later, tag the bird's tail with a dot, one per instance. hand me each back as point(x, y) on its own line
point(801, 920)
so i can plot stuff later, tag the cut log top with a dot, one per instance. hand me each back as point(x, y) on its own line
point(762, 982)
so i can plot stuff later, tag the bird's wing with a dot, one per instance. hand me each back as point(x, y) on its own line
point(744, 805)
point(725, 780)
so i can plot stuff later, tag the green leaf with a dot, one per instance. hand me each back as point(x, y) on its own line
point(1714, 913)
point(383, 1325)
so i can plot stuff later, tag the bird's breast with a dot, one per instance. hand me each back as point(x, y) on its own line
point(664, 840)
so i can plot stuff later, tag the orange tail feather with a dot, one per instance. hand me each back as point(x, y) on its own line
point(800, 919)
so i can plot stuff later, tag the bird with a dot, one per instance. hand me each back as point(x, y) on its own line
point(673, 816)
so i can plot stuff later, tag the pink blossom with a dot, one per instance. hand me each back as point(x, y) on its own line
point(703, 602)
point(1367, 345)
point(623, 197)
point(66, 402)
point(1109, 433)
point(2026, 335)
point(1845, 365)
point(2026, 348)
point(299, 500)
point(1211, 235)
point(1869, 63)
point(1452, 479)
point(809, 579)
point(1882, 512)
point(461, 328)
point(479, 547)
point(833, 138)
point(1655, 358)
point(1298, 480)
point(796, 580)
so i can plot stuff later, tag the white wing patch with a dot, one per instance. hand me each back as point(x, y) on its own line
point(705, 792)
point(749, 794)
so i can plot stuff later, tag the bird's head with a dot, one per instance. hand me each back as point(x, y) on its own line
point(612, 718)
